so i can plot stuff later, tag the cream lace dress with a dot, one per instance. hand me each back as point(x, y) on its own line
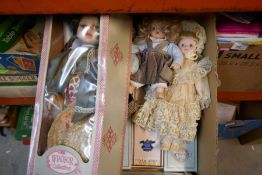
point(176, 116)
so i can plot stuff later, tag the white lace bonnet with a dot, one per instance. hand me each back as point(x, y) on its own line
point(193, 26)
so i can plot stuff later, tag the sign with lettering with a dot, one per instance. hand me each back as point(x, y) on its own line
point(62, 161)
point(239, 70)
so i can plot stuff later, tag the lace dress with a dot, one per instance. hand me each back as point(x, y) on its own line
point(176, 116)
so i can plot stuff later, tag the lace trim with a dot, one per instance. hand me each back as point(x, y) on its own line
point(169, 119)
point(197, 71)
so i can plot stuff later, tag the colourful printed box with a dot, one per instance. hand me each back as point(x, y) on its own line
point(21, 43)
point(24, 124)
point(20, 62)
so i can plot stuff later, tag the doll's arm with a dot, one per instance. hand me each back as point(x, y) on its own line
point(176, 55)
point(138, 48)
point(203, 91)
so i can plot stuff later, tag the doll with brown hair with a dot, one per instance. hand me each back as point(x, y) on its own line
point(157, 56)
point(175, 117)
point(70, 91)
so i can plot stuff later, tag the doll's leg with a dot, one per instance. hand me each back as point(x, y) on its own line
point(159, 90)
point(136, 97)
point(137, 91)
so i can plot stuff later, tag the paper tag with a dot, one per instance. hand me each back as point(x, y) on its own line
point(239, 46)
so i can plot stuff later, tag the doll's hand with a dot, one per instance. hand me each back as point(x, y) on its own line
point(204, 103)
point(175, 66)
point(33, 43)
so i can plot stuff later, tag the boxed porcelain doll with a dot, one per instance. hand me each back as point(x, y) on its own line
point(81, 111)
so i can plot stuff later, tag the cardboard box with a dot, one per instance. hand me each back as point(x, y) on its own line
point(113, 113)
point(239, 68)
point(250, 110)
point(182, 162)
point(146, 149)
point(128, 151)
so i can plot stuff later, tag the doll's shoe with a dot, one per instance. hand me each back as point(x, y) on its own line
point(160, 93)
point(138, 95)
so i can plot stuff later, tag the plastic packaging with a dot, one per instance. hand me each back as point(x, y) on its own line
point(70, 90)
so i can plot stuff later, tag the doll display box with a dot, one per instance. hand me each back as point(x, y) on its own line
point(76, 133)
point(94, 72)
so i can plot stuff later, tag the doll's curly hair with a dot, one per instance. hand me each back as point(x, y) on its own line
point(184, 34)
point(171, 26)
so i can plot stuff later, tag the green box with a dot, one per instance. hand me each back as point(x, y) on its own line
point(24, 124)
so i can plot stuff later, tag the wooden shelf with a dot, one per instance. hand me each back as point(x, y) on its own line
point(239, 96)
point(127, 6)
point(17, 101)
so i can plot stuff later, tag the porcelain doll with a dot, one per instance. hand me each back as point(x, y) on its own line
point(157, 57)
point(71, 90)
point(175, 117)
point(188, 95)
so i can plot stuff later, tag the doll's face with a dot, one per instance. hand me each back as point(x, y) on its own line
point(187, 45)
point(157, 30)
point(88, 30)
